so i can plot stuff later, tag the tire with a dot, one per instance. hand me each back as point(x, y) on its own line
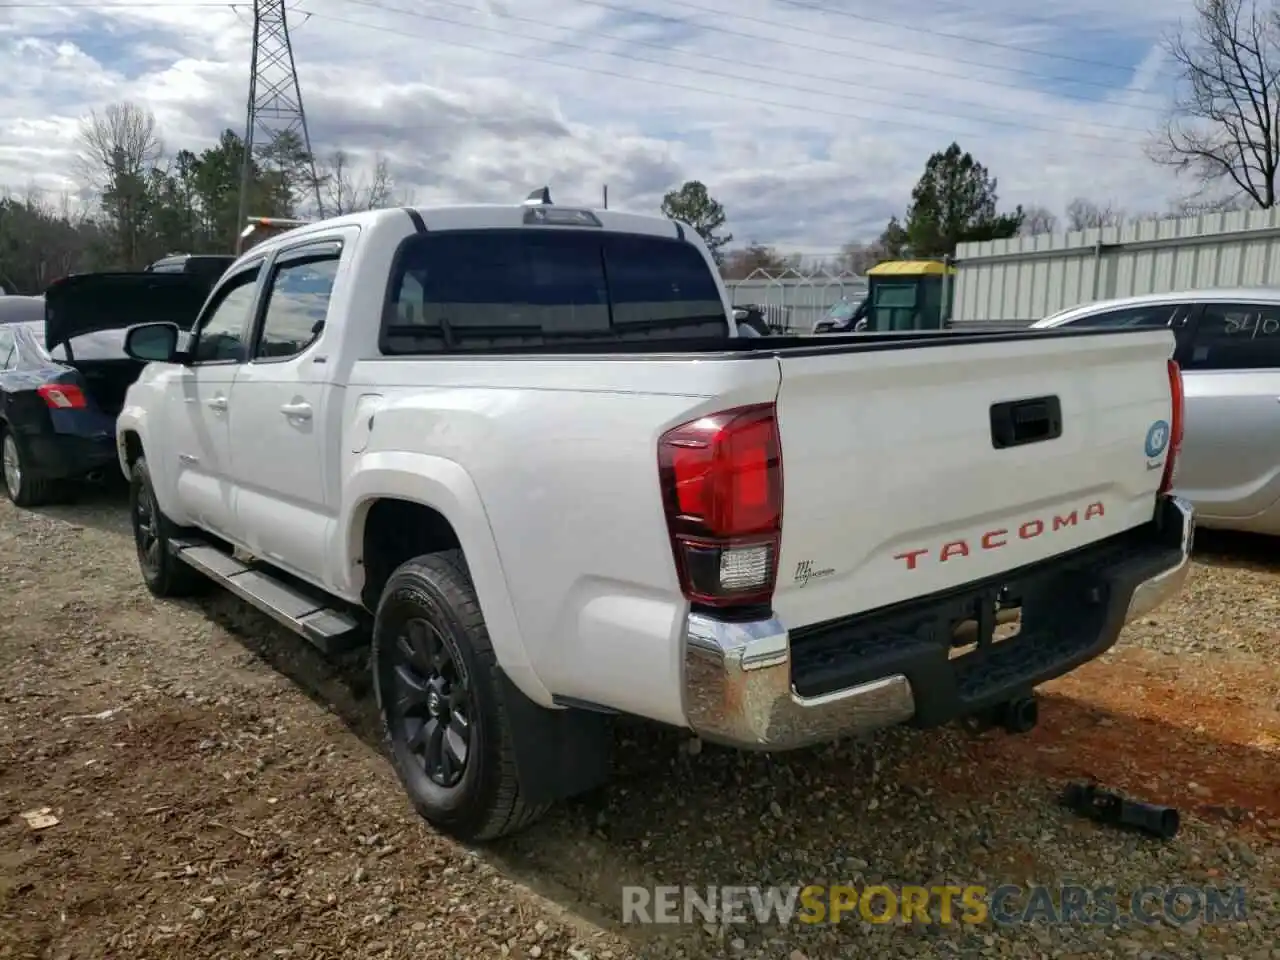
point(429, 628)
point(19, 485)
point(163, 573)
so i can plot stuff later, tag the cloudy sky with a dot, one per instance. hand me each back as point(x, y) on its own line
point(809, 119)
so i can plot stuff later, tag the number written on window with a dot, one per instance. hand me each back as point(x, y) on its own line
point(297, 304)
point(1237, 336)
point(1250, 323)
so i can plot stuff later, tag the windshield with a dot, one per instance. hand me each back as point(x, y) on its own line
point(486, 290)
point(842, 311)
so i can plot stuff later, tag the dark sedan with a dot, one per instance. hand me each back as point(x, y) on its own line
point(64, 373)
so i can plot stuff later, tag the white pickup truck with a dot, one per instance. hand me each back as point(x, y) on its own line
point(521, 451)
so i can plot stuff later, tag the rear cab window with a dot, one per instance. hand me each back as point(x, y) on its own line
point(485, 291)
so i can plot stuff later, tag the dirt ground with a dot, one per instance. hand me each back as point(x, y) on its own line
point(218, 791)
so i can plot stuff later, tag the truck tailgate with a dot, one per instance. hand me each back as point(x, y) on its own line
point(894, 487)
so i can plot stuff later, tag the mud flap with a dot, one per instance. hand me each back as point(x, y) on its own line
point(559, 753)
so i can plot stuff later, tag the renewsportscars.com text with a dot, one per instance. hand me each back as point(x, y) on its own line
point(972, 904)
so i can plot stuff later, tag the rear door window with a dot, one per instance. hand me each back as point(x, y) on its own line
point(297, 300)
point(1236, 336)
point(495, 290)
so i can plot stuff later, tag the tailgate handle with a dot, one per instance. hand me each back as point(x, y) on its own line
point(1018, 422)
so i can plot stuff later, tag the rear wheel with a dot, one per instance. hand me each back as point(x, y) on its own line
point(19, 485)
point(164, 574)
point(444, 718)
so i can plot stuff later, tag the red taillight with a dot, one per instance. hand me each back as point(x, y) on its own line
point(62, 396)
point(721, 481)
point(1175, 427)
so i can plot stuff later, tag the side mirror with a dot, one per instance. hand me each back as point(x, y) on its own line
point(152, 342)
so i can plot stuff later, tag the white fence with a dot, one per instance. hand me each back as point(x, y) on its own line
point(793, 302)
point(1026, 278)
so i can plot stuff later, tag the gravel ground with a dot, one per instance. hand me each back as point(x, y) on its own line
point(219, 792)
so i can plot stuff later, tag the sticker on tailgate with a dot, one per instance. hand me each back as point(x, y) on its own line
point(1157, 441)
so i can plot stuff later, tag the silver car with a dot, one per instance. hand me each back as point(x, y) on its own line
point(1229, 352)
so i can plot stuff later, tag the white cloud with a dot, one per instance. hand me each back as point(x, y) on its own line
point(809, 125)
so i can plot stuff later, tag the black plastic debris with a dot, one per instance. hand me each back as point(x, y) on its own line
point(1104, 806)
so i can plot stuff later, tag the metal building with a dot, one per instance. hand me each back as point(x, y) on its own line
point(1025, 278)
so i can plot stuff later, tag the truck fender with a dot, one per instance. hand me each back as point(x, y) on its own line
point(132, 422)
point(131, 419)
point(446, 487)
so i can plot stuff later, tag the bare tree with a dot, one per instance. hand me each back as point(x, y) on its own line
point(1224, 124)
point(857, 257)
point(1037, 220)
point(342, 191)
point(122, 140)
point(118, 151)
point(742, 263)
point(1194, 206)
point(1084, 214)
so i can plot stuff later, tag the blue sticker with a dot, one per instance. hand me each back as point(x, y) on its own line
point(1157, 438)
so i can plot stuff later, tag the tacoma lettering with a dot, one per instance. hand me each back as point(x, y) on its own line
point(1000, 537)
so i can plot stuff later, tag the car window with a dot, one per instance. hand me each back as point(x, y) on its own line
point(297, 302)
point(1236, 336)
point(489, 290)
point(222, 328)
point(1154, 315)
point(8, 350)
point(29, 341)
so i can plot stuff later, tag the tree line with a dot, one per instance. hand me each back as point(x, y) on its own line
point(137, 202)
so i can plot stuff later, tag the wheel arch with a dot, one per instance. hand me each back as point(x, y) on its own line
point(430, 503)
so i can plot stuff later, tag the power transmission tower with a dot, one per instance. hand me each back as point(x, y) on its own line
point(275, 100)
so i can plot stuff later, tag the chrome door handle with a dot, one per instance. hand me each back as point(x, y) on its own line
point(218, 403)
point(300, 411)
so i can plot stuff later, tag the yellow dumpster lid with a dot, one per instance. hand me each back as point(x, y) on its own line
point(910, 268)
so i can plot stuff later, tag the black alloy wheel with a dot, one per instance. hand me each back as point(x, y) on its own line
point(163, 573)
point(431, 703)
point(146, 532)
point(443, 702)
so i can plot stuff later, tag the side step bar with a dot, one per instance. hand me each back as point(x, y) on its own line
point(329, 630)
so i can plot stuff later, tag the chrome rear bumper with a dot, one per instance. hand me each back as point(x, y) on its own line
point(1154, 591)
point(738, 676)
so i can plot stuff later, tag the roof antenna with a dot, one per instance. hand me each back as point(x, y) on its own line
point(539, 197)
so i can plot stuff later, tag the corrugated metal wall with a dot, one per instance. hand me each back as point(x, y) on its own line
point(1026, 278)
